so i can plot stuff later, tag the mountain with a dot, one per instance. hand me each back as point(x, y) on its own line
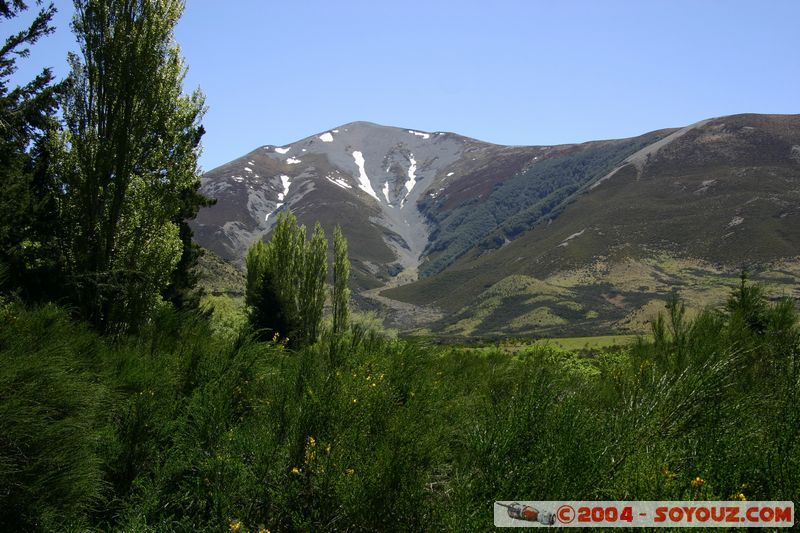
point(366, 177)
point(406, 198)
point(469, 238)
point(686, 213)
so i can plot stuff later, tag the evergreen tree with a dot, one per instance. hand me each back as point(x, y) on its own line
point(340, 296)
point(270, 315)
point(128, 160)
point(748, 305)
point(27, 210)
point(182, 289)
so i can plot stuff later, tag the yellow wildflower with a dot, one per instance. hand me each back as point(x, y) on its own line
point(698, 482)
point(236, 525)
point(355, 401)
point(350, 471)
point(312, 441)
point(295, 470)
point(741, 496)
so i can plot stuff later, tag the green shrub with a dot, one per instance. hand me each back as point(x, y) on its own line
point(182, 428)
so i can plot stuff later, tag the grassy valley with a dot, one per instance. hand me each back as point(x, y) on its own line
point(602, 298)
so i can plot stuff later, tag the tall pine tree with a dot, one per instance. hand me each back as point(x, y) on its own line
point(28, 243)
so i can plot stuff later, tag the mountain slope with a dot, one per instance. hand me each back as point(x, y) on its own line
point(500, 201)
point(528, 240)
point(406, 199)
point(365, 177)
point(687, 212)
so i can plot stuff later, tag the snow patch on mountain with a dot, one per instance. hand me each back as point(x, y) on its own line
point(425, 136)
point(340, 182)
point(412, 174)
point(283, 150)
point(412, 178)
point(565, 242)
point(293, 161)
point(286, 182)
point(386, 191)
point(735, 221)
point(363, 180)
point(326, 137)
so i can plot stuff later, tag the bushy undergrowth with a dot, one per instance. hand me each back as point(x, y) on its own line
point(182, 428)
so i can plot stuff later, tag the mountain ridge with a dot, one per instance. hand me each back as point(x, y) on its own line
point(419, 206)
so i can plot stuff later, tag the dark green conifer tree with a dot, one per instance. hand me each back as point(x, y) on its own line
point(270, 316)
point(28, 240)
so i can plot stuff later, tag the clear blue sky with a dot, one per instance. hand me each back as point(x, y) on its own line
point(509, 72)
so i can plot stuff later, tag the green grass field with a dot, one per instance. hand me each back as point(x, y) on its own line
point(588, 343)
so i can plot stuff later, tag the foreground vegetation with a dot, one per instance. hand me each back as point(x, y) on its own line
point(126, 407)
point(179, 428)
